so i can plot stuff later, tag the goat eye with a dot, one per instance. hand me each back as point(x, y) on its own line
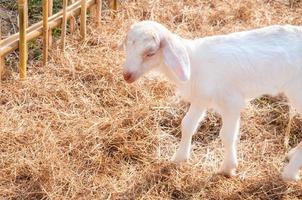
point(150, 54)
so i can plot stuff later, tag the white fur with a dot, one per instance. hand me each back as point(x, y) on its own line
point(221, 72)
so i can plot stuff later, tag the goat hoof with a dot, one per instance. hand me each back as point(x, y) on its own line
point(290, 154)
point(290, 177)
point(179, 158)
point(228, 169)
point(227, 173)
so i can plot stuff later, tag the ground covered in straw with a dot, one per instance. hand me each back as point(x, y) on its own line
point(76, 130)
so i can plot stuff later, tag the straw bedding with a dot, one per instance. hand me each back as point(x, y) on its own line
point(75, 130)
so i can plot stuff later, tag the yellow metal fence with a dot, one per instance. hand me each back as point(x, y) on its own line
point(69, 12)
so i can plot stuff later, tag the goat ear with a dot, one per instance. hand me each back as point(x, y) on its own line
point(176, 56)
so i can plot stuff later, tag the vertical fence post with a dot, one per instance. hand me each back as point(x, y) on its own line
point(2, 61)
point(92, 11)
point(22, 40)
point(64, 22)
point(45, 31)
point(72, 21)
point(98, 14)
point(83, 18)
point(26, 12)
point(113, 4)
point(27, 23)
point(50, 12)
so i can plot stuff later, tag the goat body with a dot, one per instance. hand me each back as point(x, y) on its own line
point(221, 72)
point(244, 65)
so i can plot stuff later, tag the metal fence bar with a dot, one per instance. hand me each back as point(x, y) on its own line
point(72, 21)
point(2, 60)
point(64, 23)
point(27, 22)
point(98, 14)
point(83, 18)
point(22, 40)
point(114, 4)
point(50, 13)
point(45, 31)
point(92, 11)
point(11, 43)
point(19, 40)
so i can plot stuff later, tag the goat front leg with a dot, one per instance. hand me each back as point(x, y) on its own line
point(229, 135)
point(189, 125)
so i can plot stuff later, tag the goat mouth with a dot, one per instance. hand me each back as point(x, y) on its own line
point(129, 78)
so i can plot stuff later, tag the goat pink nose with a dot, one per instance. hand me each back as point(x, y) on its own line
point(127, 76)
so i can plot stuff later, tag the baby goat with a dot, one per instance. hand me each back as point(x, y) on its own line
point(221, 72)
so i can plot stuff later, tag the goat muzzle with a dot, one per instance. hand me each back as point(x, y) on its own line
point(128, 77)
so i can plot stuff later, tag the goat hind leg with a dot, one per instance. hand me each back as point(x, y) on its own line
point(229, 135)
point(291, 170)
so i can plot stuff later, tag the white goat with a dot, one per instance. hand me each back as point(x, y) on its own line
point(221, 72)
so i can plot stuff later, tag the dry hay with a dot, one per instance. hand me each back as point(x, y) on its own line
point(76, 130)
